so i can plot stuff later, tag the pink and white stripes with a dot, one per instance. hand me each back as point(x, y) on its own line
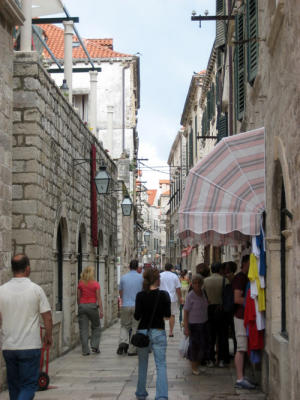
point(224, 195)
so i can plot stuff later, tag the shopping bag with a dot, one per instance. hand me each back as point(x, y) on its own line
point(183, 346)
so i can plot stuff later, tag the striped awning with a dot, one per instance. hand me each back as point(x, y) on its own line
point(224, 195)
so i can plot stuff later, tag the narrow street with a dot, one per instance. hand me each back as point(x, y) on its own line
point(112, 377)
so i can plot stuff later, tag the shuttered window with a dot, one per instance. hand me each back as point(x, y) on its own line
point(220, 25)
point(191, 158)
point(222, 126)
point(252, 45)
point(196, 134)
point(239, 70)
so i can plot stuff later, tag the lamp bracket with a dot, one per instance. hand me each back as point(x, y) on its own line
point(79, 161)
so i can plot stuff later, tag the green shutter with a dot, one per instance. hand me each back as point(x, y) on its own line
point(208, 105)
point(222, 126)
point(203, 123)
point(220, 25)
point(213, 99)
point(239, 68)
point(191, 158)
point(252, 46)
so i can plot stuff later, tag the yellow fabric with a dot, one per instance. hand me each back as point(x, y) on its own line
point(253, 276)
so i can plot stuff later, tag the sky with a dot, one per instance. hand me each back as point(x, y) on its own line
point(171, 48)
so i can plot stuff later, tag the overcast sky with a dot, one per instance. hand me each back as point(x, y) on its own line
point(171, 48)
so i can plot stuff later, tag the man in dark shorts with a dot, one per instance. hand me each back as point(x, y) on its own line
point(239, 285)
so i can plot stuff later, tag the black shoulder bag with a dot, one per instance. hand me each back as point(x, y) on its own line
point(140, 339)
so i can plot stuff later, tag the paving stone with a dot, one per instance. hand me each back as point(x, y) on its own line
point(111, 377)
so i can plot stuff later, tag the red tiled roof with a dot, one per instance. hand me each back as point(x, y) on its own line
point(203, 72)
point(166, 193)
point(151, 196)
point(97, 48)
point(166, 181)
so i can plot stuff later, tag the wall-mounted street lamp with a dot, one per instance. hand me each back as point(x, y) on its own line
point(102, 181)
point(126, 206)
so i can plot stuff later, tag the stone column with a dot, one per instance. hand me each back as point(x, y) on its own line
point(26, 29)
point(110, 113)
point(93, 102)
point(68, 58)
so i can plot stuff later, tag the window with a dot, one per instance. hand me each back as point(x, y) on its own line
point(196, 133)
point(222, 126)
point(80, 103)
point(191, 149)
point(252, 36)
point(239, 63)
point(220, 25)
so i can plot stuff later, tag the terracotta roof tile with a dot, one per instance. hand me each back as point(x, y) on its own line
point(166, 193)
point(97, 48)
point(164, 181)
point(151, 196)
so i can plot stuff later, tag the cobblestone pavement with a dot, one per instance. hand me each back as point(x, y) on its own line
point(112, 377)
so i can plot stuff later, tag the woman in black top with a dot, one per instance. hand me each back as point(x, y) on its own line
point(151, 297)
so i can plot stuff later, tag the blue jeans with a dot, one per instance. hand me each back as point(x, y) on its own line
point(22, 367)
point(158, 342)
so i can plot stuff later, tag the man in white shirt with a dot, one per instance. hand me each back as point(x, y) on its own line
point(170, 282)
point(21, 304)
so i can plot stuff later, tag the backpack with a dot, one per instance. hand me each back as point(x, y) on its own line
point(227, 297)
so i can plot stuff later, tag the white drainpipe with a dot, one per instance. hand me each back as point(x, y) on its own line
point(26, 29)
point(110, 113)
point(93, 102)
point(68, 58)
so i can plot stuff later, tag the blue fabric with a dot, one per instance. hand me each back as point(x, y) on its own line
point(22, 368)
point(255, 356)
point(130, 284)
point(158, 341)
point(262, 256)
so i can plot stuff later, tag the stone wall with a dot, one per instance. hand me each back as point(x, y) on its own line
point(51, 193)
point(274, 102)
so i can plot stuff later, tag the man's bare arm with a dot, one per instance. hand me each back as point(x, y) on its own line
point(47, 319)
point(238, 297)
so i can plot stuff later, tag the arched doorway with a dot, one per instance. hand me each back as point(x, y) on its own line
point(79, 257)
point(59, 270)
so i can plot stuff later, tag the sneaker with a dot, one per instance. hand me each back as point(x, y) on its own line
point(195, 372)
point(120, 350)
point(132, 354)
point(221, 364)
point(210, 364)
point(244, 384)
point(85, 354)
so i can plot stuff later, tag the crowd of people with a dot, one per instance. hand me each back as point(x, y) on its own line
point(210, 303)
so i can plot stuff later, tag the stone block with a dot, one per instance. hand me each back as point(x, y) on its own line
point(31, 84)
point(19, 166)
point(34, 251)
point(22, 69)
point(25, 206)
point(17, 192)
point(30, 128)
point(25, 153)
point(17, 116)
point(24, 99)
point(17, 83)
point(24, 236)
point(32, 115)
point(33, 141)
point(17, 220)
point(33, 192)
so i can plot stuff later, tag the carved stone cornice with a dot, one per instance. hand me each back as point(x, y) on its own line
point(11, 12)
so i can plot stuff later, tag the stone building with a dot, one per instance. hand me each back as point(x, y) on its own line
point(56, 217)
point(258, 78)
point(269, 96)
point(10, 15)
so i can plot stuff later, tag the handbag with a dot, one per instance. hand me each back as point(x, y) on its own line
point(140, 339)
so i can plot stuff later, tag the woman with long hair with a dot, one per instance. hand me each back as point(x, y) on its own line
point(152, 306)
point(89, 310)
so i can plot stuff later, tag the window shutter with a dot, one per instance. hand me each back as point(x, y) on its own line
point(239, 70)
point(196, 134)
point(203, 123)
point(220, 25)
point(191, 158)
point(252, 46)
point(222, 126)
point(208, 105)
point(213, 100)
